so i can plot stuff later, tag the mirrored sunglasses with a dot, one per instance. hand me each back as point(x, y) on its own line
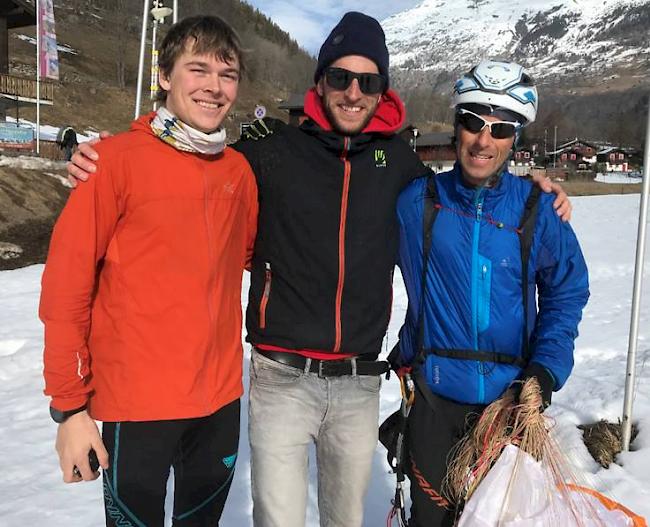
point(475, 123)
point(369, 83)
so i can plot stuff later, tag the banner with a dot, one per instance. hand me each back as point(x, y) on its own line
point(20, 137)
point(49, 58)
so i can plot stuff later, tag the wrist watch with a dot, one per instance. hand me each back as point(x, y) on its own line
point(60, 416)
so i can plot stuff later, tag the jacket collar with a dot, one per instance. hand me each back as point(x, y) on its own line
point(470, 194)
point(388, 119)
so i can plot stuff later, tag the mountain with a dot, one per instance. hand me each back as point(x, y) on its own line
point(590, 57)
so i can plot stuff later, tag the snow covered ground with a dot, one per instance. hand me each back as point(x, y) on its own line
point(630, 178)
point(30, 482)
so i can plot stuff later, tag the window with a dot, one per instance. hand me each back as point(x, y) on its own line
point(573, 157)
point(621, 157)
point(526, 155)
point(612, 157)
point(563, 157)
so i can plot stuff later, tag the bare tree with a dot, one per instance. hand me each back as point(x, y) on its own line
point(121, 34)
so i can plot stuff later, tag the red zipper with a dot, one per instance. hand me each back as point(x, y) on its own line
point(265, 294)
point(344, 214)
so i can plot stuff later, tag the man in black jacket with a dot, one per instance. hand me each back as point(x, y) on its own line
point(321, 281)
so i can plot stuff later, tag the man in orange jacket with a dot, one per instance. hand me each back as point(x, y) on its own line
point(145, 334)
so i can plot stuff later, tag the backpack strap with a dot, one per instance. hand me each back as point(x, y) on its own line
point(526, 232)
point(430, 213)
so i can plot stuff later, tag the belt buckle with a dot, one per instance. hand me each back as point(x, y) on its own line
point(333, 368)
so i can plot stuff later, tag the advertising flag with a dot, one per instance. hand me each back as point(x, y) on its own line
point(49, 57)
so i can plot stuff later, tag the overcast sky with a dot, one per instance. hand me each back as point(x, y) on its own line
point(309, 22)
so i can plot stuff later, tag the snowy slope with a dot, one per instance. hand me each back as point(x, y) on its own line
point(30, 483)
point(583, 37)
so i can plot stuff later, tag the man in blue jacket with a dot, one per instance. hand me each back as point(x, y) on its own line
point(472, 327)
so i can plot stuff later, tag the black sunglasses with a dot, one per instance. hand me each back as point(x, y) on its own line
point(369, 83)
point(475, 123)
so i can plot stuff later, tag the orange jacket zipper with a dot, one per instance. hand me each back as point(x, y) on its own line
point(265, 294)
point(344, 213)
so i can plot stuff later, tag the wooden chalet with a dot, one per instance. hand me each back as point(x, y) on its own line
point(295, 106)
point(436, 150)
point(615, 159)
point(573, 155)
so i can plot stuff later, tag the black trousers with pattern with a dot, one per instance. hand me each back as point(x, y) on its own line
point(202, 452)
point(434, 426)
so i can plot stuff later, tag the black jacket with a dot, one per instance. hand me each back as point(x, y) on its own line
point(321, 277)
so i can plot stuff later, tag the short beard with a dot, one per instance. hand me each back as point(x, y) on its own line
point(332, 120)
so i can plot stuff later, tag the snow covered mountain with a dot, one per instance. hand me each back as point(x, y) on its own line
point(582, 39)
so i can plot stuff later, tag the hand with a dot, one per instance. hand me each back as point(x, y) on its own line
point(544, 379)
point(562, 203)
point(74, 439)
point(81, 164)
point(261, 128)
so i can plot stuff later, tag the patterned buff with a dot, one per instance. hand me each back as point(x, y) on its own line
point(183, 137)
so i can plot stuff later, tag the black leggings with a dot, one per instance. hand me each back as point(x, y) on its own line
point(432, 433)
point(201, 450)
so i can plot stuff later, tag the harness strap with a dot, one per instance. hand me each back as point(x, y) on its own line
point(481, 356)
point(525, 232)
point(431, 209)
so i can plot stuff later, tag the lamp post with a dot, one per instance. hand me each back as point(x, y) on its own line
point(158, 12)
point(143, 37)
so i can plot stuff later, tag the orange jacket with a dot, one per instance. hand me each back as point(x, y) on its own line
point(141, 296)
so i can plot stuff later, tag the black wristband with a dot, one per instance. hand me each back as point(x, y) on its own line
point(60, 416)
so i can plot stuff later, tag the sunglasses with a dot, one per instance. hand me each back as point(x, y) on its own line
point(369, 83)
point(475, 123)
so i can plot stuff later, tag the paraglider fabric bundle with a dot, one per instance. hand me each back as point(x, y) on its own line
point(517, 492)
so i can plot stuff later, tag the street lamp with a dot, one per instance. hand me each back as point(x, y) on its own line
point(158, 12)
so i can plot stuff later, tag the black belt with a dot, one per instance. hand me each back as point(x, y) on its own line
point(328, 368)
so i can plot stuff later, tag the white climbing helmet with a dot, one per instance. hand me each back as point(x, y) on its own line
point(498, 84)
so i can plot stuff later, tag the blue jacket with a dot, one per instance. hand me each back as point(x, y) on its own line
point(473, 297)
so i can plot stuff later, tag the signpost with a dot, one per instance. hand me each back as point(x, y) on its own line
point(16, 137)
point(630, 375)
point(260, 112)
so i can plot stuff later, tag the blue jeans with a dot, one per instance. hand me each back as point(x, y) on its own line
point(289, 409)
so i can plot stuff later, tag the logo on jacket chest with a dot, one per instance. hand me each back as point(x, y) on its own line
point(380, 158)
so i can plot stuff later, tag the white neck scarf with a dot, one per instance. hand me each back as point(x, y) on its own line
point(183, 137)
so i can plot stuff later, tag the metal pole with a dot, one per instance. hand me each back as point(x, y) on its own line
point(636, 295)
point(554, 146)
point(175, 14)
point(38, 76)
point(138, 94)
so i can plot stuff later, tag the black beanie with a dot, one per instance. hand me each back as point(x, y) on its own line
point(355, 34)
